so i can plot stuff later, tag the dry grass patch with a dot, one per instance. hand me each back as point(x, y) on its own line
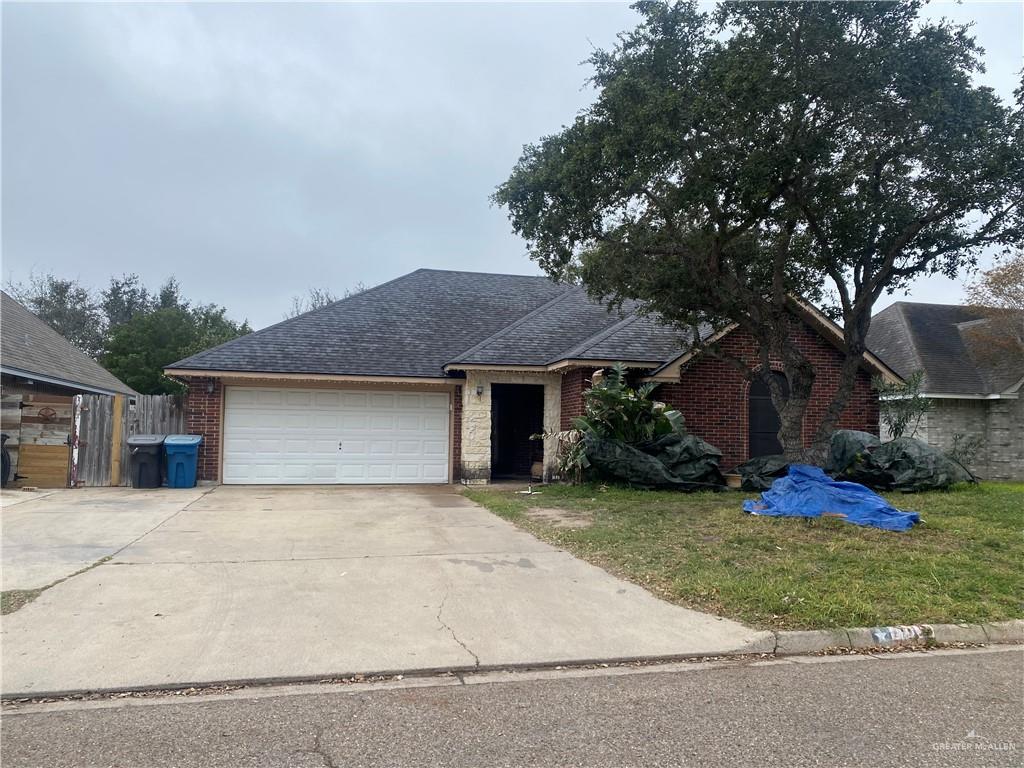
point(560, 518)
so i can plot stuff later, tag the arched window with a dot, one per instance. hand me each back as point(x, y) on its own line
point(763, 420)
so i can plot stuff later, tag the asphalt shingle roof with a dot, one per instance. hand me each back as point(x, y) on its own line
point(410, 326)
point(29, 345)
point(417, 324)
point(941, 340)
point(637, 338)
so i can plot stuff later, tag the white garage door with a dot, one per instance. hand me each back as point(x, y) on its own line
point(325, 436)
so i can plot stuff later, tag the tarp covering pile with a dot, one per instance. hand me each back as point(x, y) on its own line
point(678, 460)
point(848, 448)
point(807, 491)
point(903, 464)
point(759, 473)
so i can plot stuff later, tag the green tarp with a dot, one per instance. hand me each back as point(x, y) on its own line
point(906, 464)
point(903, 464)
point(759, 473)
point(680, 461)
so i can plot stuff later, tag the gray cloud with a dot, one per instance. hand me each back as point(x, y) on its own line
point(255, 150)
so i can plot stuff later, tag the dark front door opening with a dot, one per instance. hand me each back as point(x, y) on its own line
point(763, 419)
point(517, 412)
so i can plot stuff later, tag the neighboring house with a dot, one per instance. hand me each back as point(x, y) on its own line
point(40, 373)
point(972, 374)
point(444, 376)
point(35, 359)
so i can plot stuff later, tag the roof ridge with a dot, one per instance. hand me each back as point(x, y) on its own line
point(474, 272)
point(597, 338)
point(296, 317)
point(512, 326)
point(911, 336)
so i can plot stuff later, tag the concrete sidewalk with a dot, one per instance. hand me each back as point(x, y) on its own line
point(272, 583)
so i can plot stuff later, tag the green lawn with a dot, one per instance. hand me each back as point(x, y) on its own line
point(964, 563)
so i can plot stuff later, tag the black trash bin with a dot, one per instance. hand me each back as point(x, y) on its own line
point(146, 461)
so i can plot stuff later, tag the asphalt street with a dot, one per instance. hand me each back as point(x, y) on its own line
point(945, 709)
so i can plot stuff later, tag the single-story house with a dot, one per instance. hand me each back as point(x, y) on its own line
point(442, 376)
point(971, 372)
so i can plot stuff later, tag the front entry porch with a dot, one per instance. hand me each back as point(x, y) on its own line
point(501, 411)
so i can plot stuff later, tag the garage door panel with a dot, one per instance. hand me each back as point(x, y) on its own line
point(265, 397)
point(386, 401)
point(380, 448)
point(327, 399)
point(433, 423)
point(435, 473)
point(382, 423)
point(434, 448)
point(326, 436)
point(298, 398)
point(355, 422)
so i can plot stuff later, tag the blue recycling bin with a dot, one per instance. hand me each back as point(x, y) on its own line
point(181, 452)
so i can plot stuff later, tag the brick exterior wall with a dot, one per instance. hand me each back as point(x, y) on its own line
point(574, 383)
point(997, 424)
point(712, 395)
point(203, 417)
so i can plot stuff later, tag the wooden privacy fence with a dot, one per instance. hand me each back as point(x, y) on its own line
point(99, 448)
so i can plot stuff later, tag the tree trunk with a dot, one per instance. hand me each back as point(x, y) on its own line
point(800, 376)
point(793, 411)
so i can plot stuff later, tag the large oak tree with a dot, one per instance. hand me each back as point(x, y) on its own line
point(737, 159)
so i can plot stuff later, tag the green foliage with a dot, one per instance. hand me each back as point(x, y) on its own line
point(902, 405)
point(124, 298)
point(570, 453)
point(614, 409)
point(65, 305)
point(133, 332)
point(139, 350)
point(832, 151)
point(965, 448)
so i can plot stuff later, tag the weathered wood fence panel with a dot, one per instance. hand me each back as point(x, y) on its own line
point(94, 425)
point(104, 426)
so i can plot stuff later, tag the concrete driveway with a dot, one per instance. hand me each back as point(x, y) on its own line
point(241, 583)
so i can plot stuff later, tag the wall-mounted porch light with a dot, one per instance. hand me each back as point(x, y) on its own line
point(479, 390)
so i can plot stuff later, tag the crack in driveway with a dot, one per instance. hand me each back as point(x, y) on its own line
point(440, 610)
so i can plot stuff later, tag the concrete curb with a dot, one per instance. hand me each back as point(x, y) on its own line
point(772, 643)
point(788, 643)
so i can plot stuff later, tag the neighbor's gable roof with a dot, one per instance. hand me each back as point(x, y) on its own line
point(32, 349)
point(942, 341)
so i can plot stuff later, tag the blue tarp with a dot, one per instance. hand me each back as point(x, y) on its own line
point(807, 491)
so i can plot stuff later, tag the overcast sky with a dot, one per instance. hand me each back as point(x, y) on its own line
point(254, 150)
